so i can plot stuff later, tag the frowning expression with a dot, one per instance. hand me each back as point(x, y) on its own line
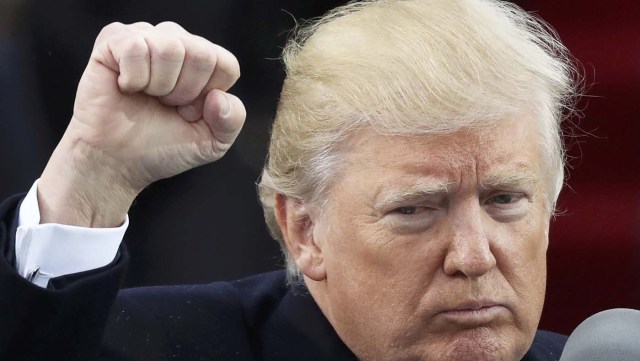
point(434, 247)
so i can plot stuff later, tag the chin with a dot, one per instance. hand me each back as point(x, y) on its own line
point(479, 344)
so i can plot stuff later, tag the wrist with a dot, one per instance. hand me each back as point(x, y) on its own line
point(81, 186)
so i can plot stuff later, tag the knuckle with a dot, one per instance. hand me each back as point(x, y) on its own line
point(202, 58)
point(171, 49)
point(135, 46)
point(109, 31)
point(115, 26)
point(141, 25)
point(169, 25)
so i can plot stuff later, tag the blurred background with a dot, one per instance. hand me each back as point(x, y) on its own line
point(207, 225)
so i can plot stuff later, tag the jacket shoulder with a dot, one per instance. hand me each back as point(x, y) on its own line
point(191, 322)
point(546, 346)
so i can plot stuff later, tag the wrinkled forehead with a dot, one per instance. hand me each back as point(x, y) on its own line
point(506, 150)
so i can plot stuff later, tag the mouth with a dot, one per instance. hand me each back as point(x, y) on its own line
point(475, 314)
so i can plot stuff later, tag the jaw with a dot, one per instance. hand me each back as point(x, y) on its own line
point(478, 344)
point(474, 344)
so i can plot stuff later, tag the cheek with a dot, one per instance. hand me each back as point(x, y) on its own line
point(535, 242)
point(522, 246)
point(371, 269)
point(537, 273)
point(522, 260)
point(368, 250)
point(356, 251)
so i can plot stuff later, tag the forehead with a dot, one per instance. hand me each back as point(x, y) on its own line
point(506, 149)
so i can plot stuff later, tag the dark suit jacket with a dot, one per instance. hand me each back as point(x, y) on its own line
point(257, 318)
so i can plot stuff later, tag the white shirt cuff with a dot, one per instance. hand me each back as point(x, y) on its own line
point(45, 251)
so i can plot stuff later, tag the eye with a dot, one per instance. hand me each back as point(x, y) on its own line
point(411, 219)
point(508, 206)
point(505, 198)
point(406, 210)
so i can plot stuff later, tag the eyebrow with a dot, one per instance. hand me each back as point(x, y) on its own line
point(427, 189)
point(522, 178)
point(512, 180)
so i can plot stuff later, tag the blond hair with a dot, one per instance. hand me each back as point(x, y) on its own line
point(410, 67)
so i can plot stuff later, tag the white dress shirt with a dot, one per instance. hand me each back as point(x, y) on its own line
point(45, 251)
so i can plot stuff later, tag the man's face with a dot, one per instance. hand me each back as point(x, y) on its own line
point(434, 247)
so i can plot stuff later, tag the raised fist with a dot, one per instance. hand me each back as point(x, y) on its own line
point(151, 103)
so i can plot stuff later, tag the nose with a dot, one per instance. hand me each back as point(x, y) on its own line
point(469, 252)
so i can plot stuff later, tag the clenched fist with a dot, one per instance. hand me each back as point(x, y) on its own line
point(151, 103)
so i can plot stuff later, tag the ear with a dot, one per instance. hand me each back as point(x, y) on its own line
point(297, 225)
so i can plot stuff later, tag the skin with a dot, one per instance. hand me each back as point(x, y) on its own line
point(454, 270)
point(152, 103)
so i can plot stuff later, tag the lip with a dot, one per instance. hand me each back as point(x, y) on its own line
point(474, 314)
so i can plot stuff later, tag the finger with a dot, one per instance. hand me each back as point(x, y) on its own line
point(166, 54)
point(226, 71)
point(224, 113)
point(198, 67)
point(141, 26)
point(192, 112)
point(124, 50)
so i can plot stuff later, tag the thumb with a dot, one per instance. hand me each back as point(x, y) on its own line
point(224, 113)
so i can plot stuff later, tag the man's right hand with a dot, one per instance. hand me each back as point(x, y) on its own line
point(151, 103)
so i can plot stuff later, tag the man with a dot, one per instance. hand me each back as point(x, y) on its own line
point(413, 169)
